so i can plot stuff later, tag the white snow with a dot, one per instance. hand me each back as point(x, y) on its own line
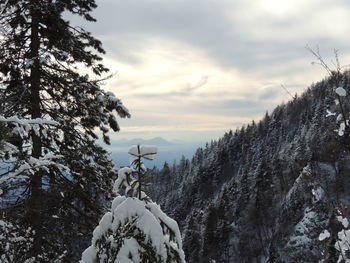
point(103, 226)
point(341, 91)
point(171, 223)
point(343, 242)
point(329, 113)
point(146, 222)
point(117, 201)
point(325, 234)
point(148, 219)
point(339, 117)
point(132, 159)
point(22, 170)
point(134, 150)
point(89, 255)
point(11, 238)
point(125, 180)
point(341, 129)
point(343, 220)
point(146, 151)
point(112, 97)
point(22, 127)
point(130, 247)
point(28, 121)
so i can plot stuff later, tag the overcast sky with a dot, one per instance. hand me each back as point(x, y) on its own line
point(193, 69)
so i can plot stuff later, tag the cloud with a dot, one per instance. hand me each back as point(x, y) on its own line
point(208, 65)
point(239, 34)
point(190, 87)
point(188, 90)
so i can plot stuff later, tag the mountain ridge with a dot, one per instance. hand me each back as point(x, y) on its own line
point(168, 151)
point(158, 141)
point(245, 197)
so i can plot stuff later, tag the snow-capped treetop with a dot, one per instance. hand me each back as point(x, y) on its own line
point(135, 230)
point(126, 182)
point(138, 152)
point(145, 151)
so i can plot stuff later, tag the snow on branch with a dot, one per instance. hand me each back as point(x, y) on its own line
point(146, 224)
point(107, 99)
point(31, 165)
point(25, 122)
point(3, 7)
point(138, 152)
point(22, 127)
point(144, 151)
point(126, 181)
point(15, 242)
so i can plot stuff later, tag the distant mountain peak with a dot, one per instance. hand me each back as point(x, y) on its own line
point(158, 141)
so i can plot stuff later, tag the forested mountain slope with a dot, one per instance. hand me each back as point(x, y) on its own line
point(265, 192)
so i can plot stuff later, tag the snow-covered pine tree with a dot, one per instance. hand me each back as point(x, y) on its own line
point(55, 173)
point(15, 242)
point(336, 241)
point(136, 229)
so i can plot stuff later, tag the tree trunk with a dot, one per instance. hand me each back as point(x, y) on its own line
point(35, 201)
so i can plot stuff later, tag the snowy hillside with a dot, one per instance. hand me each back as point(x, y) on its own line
point(265, 191)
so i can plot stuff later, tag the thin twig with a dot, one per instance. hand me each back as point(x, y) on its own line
point(290, 94)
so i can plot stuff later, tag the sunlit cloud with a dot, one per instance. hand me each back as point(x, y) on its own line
point(206, 66)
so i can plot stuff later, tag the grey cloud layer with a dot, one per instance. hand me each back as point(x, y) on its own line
point(222, 29)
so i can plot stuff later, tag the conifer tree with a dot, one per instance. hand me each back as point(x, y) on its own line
point(55, 169)
point(136, 229)
point(15, 242)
